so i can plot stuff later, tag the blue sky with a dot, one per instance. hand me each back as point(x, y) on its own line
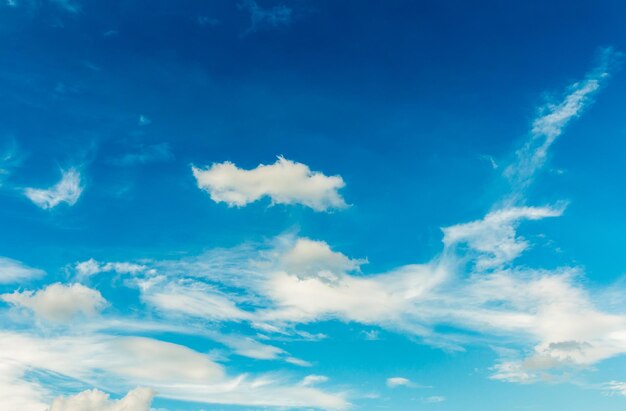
point(307, 204)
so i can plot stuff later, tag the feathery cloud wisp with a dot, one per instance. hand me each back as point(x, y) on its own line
point(553, 120)
point(68, 190)
point(13, 271)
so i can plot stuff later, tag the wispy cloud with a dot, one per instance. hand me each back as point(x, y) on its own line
point(176, 372)
point(264, 19)
point(68, 190)
point(9, 159)
point(145, 154)
point(394, 382)
point(554, 118)
point(284, 182)
point(435, 399)
point(13, 271)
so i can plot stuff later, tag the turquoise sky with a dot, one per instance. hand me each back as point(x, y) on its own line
point(312, 205)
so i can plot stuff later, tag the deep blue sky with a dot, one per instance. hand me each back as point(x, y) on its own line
point(409, 102)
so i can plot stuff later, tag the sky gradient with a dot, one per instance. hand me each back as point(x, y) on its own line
point(309, 204)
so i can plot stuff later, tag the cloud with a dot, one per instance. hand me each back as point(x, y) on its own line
point(554, 118)
point(173, 371)
point(191, 298)
point(68, 190)
point(435, 399)
point(313, 380)
point(314, 259)
point(395, 382)
point(92, 267)
point(13, 271)
point(494, 237)
point(265, 19)
point(17, 393)
point(58, 302)
point(138, 399)
point(155, 153)
point(10, 158)
point(616, 387)
point(284, 182)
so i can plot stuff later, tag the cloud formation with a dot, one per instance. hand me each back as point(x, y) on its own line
point(92, 267)
point(394, 382)
point(68, 190)
point(138, 399)
point(13, 271)
point(58, 302)
point(174, 371)
point(553, 119)
point(284, 182)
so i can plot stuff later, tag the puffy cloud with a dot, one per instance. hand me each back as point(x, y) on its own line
point(138, 399)
point(284, 182)
point(58, 302)
point(12, 271)
point(310, 259)
point(68, 190)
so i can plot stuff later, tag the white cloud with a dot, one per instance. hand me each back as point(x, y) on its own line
point(394, 382)
point(57, 302)
point(189, 298)
point(616, 387)
point(494, 237)
point(314, 380)
point(173, 371)
point(435, 399)
point(92, 267)
point(138, 399)
point(314, 259)
point(68, 190)
point(552, 121)
point(12, 271)
point(17, 393)
point(284, 182)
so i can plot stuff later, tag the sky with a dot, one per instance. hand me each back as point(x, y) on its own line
point(312, 205)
